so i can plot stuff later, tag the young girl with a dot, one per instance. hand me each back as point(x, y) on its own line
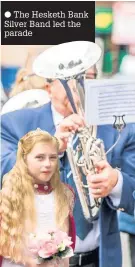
point(33, 199)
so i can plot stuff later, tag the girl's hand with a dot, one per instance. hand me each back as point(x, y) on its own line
point(55, 263)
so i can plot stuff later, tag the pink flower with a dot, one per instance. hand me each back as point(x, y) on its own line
point(67, 242)
point(59, 237)
point(62, 237)
point(48, 244)
point(41, 240)
point(36, 242)
point(48, 249)
point(43, 237)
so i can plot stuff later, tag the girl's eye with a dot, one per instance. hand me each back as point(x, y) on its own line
point(53, 157)
point(39, 157)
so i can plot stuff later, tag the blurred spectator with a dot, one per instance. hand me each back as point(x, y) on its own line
point(14, 57)
point(127, 68)
point(25, 81)
point(128, 65)
point(28, 91)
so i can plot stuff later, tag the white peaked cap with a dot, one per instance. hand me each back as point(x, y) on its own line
point(27, 99)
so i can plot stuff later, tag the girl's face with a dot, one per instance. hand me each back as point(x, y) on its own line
point(42, 162)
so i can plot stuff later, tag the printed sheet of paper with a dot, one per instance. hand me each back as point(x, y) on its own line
point(105, 99)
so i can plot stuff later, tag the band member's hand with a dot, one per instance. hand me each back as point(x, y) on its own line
point(71, 124)
point(105, 179)
point(68, 126)
point(63, 140)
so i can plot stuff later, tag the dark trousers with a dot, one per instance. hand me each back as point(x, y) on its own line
point(89, 265)
point(88, 259)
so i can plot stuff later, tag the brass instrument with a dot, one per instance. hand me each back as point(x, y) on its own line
point(82, 161)
point(91, 150)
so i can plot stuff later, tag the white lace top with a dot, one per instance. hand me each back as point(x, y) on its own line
point(45, 207)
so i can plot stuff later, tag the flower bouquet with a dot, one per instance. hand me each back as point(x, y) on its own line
point(53, 245)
